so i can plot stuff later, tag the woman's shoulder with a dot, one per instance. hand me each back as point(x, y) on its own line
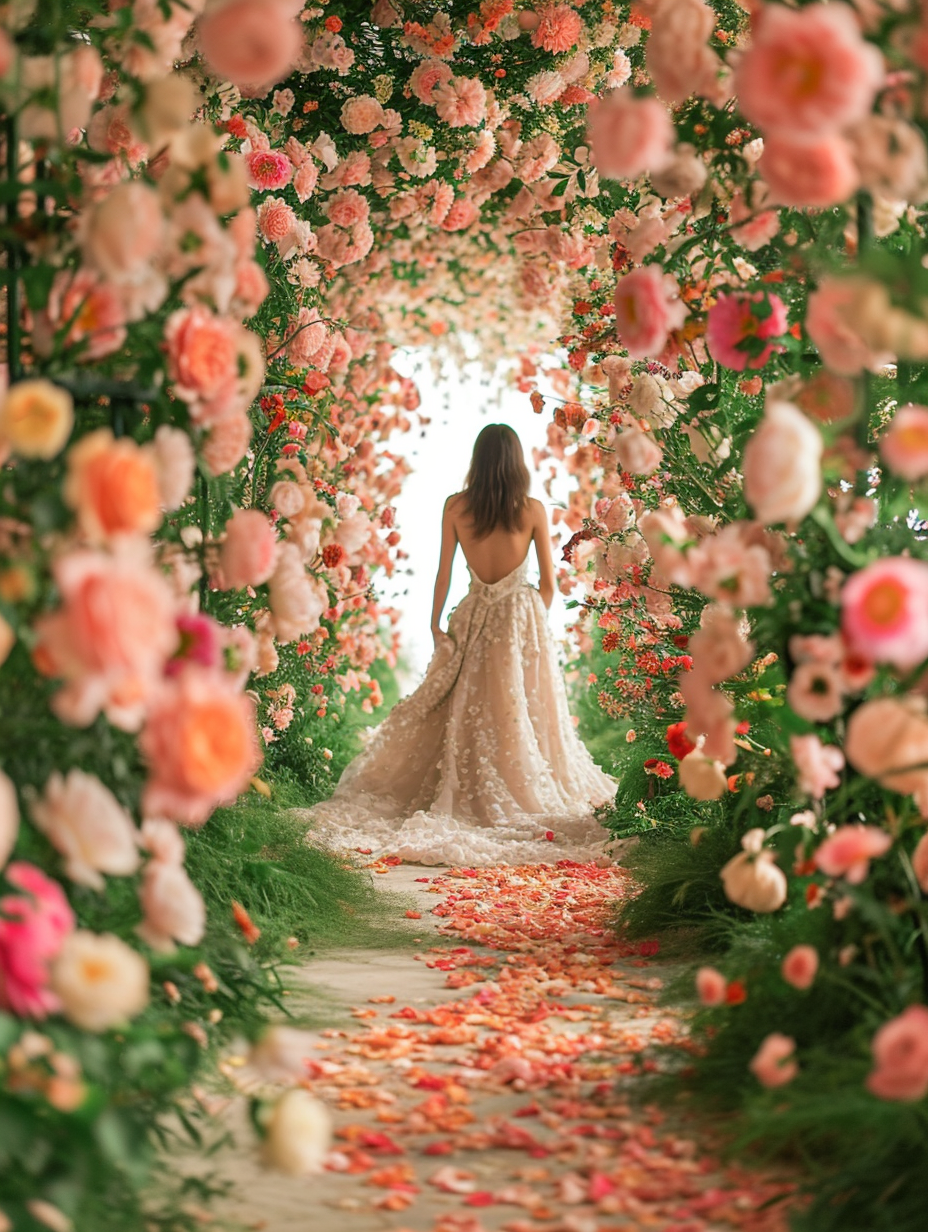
point(537, 510)
point(454, 502)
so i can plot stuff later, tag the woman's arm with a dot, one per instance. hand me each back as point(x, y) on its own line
point(449, 542)
point(542, 541)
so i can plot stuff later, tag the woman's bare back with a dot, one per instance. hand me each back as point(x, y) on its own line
point(500, 552)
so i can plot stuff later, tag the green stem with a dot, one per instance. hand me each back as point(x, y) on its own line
point(12, 254)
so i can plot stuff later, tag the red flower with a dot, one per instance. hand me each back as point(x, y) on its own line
point(658, 768)
point(736, 993)
point(743, 728)
point(332, 555)
point(610, 641)
point(678, 742)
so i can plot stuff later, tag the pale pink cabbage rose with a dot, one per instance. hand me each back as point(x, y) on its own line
point(637, 452)
point(100, 981)
point(752, 880)
point(647, 309)
point(887, 740)
point(782, 465)
point(807, 71)
point(33, 927)
point(84, 821)
point(9, 818)
point(172, 905)
point(710, 986)
point(800, 966)
point(252, 43)
point(812, 174)
point(883, 612)
point(771, 1064)
point(732, 323)
point(904, 444)
point(249, 551)
point(819, 765)
point(361, 114)
point(900, 1055)
point(702, 777)
point(847, 853)
point(629, 136)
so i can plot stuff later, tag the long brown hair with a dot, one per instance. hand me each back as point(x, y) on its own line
point(497, 486)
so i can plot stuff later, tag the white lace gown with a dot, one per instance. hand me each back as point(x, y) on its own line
point(481, 764)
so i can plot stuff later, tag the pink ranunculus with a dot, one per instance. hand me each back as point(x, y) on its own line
point(828, 323)
point(252, 43)
point(200, 743)
point(883, 612)
point(629, 136)
point(900, 1055)
point(847, 853)
point(361, 114)
point(809, 174)
point(559, 27)
point(807, 72)
point(173, 907)
point(84, 821)
point(800, 966)
point(772, 1065)
point(647, 309)
point(710, 986)
point(819, 765)
point(782, 465)
point(734, 329)
point(461, 102)
point(904, 444)
point(426, 76)
point(249, 550)
point(268, 170)
point(33, 928)
point(227, 442)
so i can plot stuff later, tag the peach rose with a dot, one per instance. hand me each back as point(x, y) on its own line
point(124, 232)
point(629, 136)
point(36, 418)
point(782, 465)
point(847, 853)
point(830, 324)
point(281, 1054)
point(771, 1064)
point(678, 58)
point(253, 43)
point(94, 312)
point(647, 309)
point(9, 818)
point(710, 986)
point(100, 981)
point(249, 551)
point(298, 1134)
point(297, 600)
point(900, 1055)
point(201, 746)
point(85, 822)
point(887, 740)
point(112, 486)
point(362, 114)
point(174, 462)
point(800, 966)
point(172, 905)
point(638, 452)
point(276, 220)
point(719, 646)
point(809, 174)
point(904, 444)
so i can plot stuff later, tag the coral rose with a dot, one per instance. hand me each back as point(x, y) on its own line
point(711, 986)
point(36, 418)
point(904, 444)
point(629, 136)
point(252, 43)
point(33, 927)
point(172, 905)
point(771, 1064)
point(847, 853)
point(811, 174)
point(736, 333)
point(647, 309)
point(807, 72)
point(100, 981)
point(782, 465)
point(249, 551)
point(900, 1055)
point(298, 1134)
point(883, 610)
point(112, 486)
point(201, 746)
point(800, 966)
point(85, 822)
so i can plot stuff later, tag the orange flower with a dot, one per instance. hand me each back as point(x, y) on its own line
point(249, 930)
point(112, 486)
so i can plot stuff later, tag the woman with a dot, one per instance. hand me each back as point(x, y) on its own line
point(481, 765)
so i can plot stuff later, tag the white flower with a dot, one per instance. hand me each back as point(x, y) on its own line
point(754, 881)
point(299, 1132)
point(85, 822)
point(100, 980)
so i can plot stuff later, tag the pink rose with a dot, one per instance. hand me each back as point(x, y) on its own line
point(807, 72)
point(297, 600)
point(461, 102)
point(629, 136)
point(734, 330)
point(249, 550)
point(225, 446)
point(710, 986)
point(347, 208)
point(731, 567)
point(887, 740)
point(361, 114)
point(800, 966)
point(93, 310)
point(829, 324)
point(253, 43)
point(305, 180)
point(808, 174)
point(883, 610)
point(33, 928)
point(268, 170)
point(819, 765)
point(123, 233)
point(202, 354)
point(900, 1054)
point(638, 452)
point(276, 219)
point(172, 905)
point(904, 444)
point(847, 853)
point(782, 465)
point(426, 76)
point(647, 309)
point(678, 58)
point(85, 822)
point(771, 1064)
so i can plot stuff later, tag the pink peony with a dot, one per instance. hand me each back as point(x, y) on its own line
point(807, 72)
point(847, 853)
point(426, 76)
point(883, 609)
point(771, 1064)
point(629, 136)
point(782, 465)
point(819, 765)
point(123, 233)
point(900, 1054)
point(33, 928)
point(252, 43)
point(559, 27)
point(647, 309)
point(735, 331)
point(249, 550)
point(811, 174)
point(710, 986)
point(461, 102)
point(361, 114)
point(268, 170)
point(904, 444)
point(85, 822)
point(800, 966)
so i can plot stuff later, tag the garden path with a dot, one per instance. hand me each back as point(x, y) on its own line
point(489, 1082)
